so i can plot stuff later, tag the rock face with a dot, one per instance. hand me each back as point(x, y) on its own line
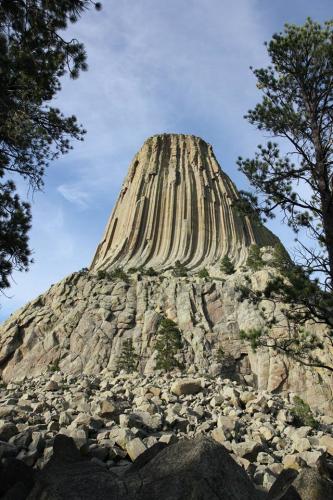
point(81, 324)
point(176, 204)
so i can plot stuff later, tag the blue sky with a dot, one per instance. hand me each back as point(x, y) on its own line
point(154, 66)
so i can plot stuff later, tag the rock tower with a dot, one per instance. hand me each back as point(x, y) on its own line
point(177, 204)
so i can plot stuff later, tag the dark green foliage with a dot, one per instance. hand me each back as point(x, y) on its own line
point(102, 274)
point(281, 260)
point(141, 270)
point(54, 367)
point(203, 273)
point(296, 108)
point(179, 270)
point(128, 359)
point(118, 274)
point(254, 260)
point(227, 266)
point(168, 345)
point(253, 335)
point(15, 220)
point(150, 272)
point(34, 57)
point(302, 414)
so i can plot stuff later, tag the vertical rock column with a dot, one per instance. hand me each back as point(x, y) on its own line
point(176, 204)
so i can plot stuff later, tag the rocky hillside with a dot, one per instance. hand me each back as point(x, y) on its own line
point(115, 421)
point(175, 213)
point(82, 323)
point(222, 421)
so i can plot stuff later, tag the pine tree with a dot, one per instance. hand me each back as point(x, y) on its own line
point(296, 108)
point(128, 359)
point(227, 266)
point(34, 57)
point(168, 345)
point(254, 260)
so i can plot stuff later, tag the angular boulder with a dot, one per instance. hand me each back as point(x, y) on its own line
point(198, 469)
point(184, 387)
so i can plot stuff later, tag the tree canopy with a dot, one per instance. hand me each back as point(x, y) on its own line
point(34, 56)
point(294, 174)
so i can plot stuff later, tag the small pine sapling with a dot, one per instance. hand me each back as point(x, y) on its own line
point(203, 273)
point(227, 266)
point(254, 259)
point(179, 270)
point(168, 345)
point(128, 359)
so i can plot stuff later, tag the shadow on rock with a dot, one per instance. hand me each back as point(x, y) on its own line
point(196, 469)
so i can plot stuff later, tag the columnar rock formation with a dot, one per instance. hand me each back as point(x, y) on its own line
point(176, 204)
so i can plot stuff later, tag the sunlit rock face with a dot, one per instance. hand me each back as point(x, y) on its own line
point(177, 204)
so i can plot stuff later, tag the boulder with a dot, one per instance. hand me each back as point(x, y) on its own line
point(247, 449)
point(69, 475)
point(7, 430)
point(135, 448)
point(184, 387)
point(194, 469)
point(309, 485)
point(108, 409)
point(326, 442)
point(16, 480)
point(198, 469)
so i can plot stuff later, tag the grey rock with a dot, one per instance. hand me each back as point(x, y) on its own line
point(197, 469)
point(247, 449)
point(185, 387)
point(135, 448)
point(7, 430)
point(309, 485)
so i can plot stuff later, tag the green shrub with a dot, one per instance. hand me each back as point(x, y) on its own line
point(227, 266)
point(168, 345)
point(102, 274)
point(150, 272)
point(203, 273)
point(141, 270)
point(252, 335)
point(128, 359)
point(54, 367)
point(254, 259)
point(302, 414)
point(179, 270)
point(118, 273)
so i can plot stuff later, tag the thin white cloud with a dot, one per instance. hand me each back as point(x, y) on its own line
point(75, 194)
